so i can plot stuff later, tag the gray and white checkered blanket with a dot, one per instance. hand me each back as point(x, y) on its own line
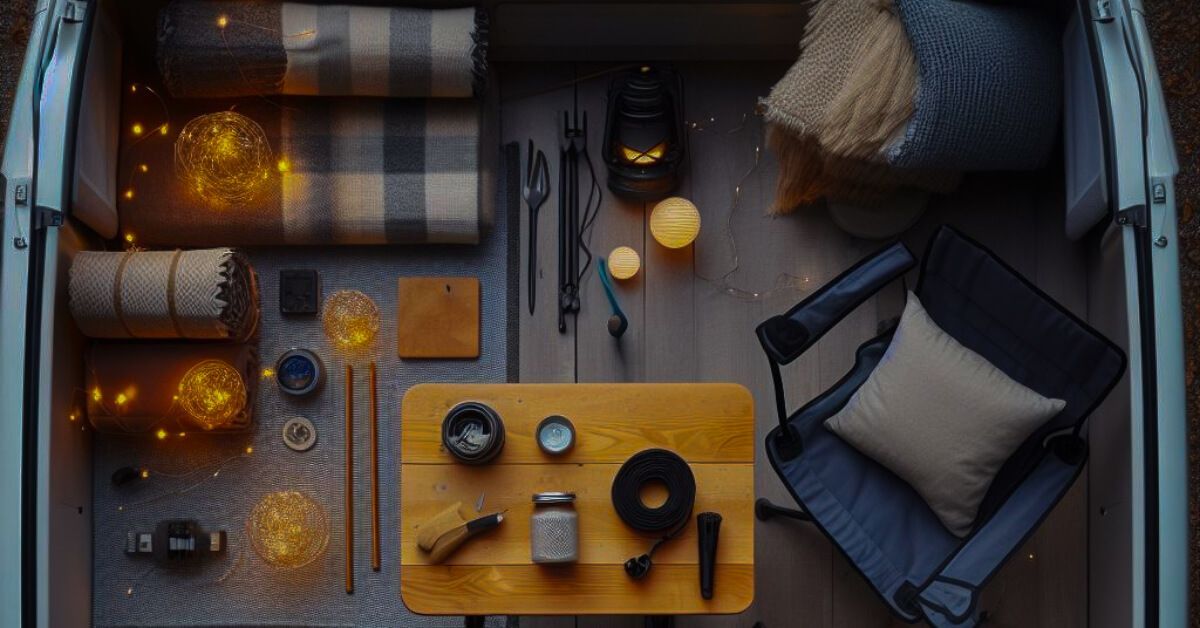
point(359, 171)
point(223, 48)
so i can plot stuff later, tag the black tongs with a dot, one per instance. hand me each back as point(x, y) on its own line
point(572, 144)
point(537, 189)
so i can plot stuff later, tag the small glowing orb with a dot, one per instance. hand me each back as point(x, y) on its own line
point(650, 156)
point(133, 88)
point(96, 396)
point(145, 473)
point(351, 320)
point(623, 262)
point(137, 128)
point(129, 238)
point(212, 393)
point(129, 194)
point(162, 130)
point(283, 165)
point(675, 222)
point(144, 168)
point(224, 156)
point(288, 529)
point(222, 21)
point(73, 416)
point(268, 373)
point(249, 449)
point(121, 399)
point(161, 434)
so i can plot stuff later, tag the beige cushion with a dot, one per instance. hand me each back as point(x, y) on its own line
point(941, 417)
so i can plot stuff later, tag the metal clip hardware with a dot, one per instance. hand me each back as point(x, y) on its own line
point(1134, 216)
point(1104, 11)
point(1158, 191)
point(74, 11)
point(44, 217)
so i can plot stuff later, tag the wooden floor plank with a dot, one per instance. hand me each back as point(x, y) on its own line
point(527, 112)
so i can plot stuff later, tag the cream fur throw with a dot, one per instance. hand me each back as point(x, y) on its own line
point(850, 92)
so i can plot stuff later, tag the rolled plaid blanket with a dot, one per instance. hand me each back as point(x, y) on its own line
point(223, 48)
point(358, 171)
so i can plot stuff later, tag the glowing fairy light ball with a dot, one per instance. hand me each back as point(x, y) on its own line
point(623, 262)
point(675, 222)
point(288, 529)
point(351, 320)
point(224, 156)
point(212, 393)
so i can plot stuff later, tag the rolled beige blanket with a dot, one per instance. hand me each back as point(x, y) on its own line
point(203, 294)
point(144, 387)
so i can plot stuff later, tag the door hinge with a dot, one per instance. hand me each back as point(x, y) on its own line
point(44, 217)
point(1133, 216)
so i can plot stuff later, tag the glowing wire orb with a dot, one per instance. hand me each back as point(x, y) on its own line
point(675, 222)
point(351, 319)
point(623, 262)
point(212, 393)
point(288, 529)
point(224, 156)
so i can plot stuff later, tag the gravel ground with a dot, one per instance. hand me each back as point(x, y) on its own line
point(15, 22)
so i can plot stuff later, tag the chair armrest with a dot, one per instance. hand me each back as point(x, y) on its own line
point(786, 336)
point(950, 597)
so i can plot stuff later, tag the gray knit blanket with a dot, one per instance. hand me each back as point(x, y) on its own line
point(359, 171)
point(990, 89)
point(223, 48)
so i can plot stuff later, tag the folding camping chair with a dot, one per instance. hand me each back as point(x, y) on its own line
point(883, 527)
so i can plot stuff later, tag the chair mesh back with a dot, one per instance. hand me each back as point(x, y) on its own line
point(988, 307)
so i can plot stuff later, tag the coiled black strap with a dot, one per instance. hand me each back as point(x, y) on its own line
point(654, 465)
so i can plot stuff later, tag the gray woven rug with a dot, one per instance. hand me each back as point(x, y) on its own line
point(214, 481)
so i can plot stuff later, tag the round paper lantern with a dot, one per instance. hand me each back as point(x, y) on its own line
point(675, 222)
point(351, 320)
point(223, 156)
point(212, 393)
point(288, 529)
point(623, 262)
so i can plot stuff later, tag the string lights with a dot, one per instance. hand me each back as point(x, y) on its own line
point(140, 134)
point(288, 529)
point(783, 281)
point(351, 320)
point(224, 156)
point(212, 393)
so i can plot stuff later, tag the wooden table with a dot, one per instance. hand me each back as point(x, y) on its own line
point(710, 425)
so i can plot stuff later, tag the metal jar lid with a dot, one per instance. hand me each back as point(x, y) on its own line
point(553, 497)
point(298, 371)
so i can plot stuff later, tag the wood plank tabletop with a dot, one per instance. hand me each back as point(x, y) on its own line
point(709, 425)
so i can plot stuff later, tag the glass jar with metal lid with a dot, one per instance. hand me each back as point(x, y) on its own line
point(554, 528)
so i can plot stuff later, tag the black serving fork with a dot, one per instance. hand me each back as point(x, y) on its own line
point(537, 189)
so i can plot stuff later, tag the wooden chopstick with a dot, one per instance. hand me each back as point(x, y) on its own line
point(349, 478)
point(375, 560)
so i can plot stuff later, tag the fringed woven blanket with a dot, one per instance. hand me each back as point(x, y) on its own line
point(888, 95)
point(208, 294)
point(356, 171)
point(224, 48)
